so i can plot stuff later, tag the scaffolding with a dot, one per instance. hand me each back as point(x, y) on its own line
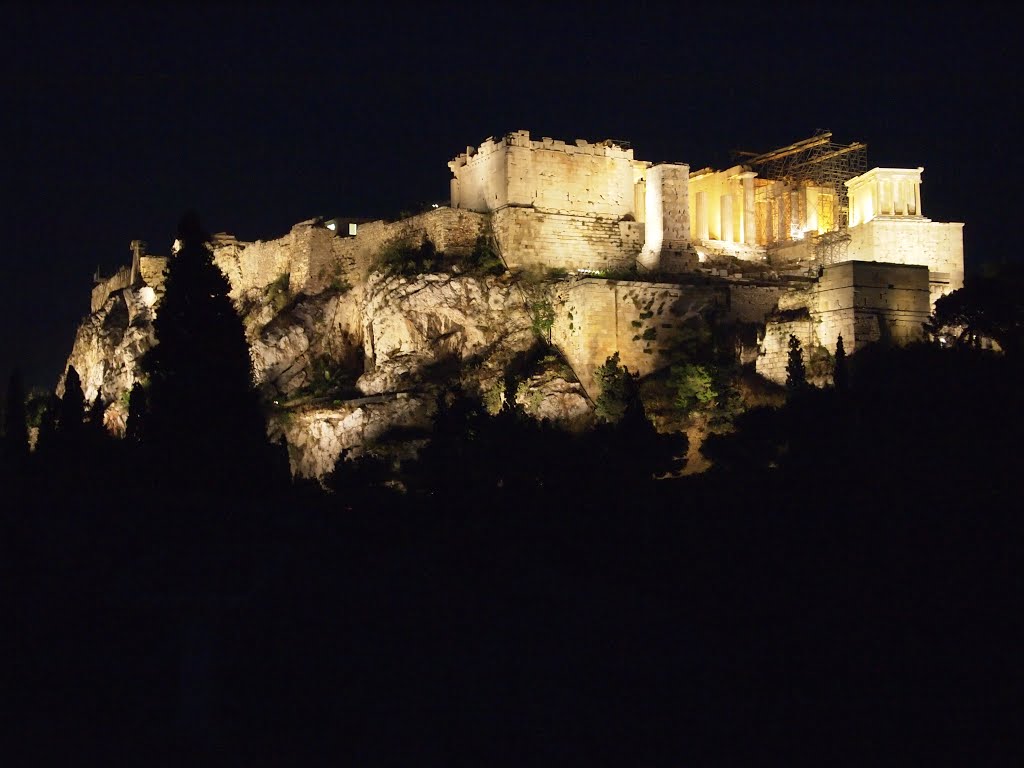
point(817, 161)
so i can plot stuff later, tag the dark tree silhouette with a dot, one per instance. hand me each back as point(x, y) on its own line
point(840, 374)
point(72, 405)
point(204, 421)
point(135, 428)
point(988, 306)
point(796, 374)
point(45, 408)
point(15, 441)
point(618, 390)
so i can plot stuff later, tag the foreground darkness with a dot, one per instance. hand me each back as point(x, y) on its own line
point(860, 602)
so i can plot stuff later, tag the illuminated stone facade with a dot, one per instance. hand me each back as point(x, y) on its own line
point(768, 252)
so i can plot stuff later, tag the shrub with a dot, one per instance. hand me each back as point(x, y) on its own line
point(404, 258)
point(484, 259)
point(278, 292)
point(542, 317)
point(694, 386)
point(619, 389)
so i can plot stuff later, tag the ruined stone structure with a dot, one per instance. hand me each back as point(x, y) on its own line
point(798, 241)
point(593, 207)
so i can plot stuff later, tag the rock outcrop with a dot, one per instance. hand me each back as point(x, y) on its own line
point(108, 349)
point(343, 369)
point(417, 328)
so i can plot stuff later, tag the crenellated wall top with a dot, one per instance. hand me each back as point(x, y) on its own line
point(490, 145)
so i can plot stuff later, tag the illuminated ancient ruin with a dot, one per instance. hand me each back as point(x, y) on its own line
point(809, 211)
point(627, 255)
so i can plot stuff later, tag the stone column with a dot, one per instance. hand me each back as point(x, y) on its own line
point(726, 212)
point(749, 225)
point(667, 221)
point(794, 214)
point(701, 203)
point(917, 198)
point(780, 202)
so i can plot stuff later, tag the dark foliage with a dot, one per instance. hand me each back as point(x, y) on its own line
point(848, 573)
point(135, 428)
point(796, 373)
point(72, 404)
point(204, 421)
point(619, 390)
point(840, 373)
point(988, 306)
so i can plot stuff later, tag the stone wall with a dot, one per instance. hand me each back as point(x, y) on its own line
point(868, 302)
point(774, 357)
point(865, 302)
point(640, 321)
point(753, 303)
point(314, 257)
point(101, 291)
point(549, 175)
point(903, 240)
point(152, 270)
point(531, 238)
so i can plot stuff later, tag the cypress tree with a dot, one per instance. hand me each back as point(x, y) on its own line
point(72, 405)
point(796, 374)
point(840, 376)
point(204, 420)
point(135, 427)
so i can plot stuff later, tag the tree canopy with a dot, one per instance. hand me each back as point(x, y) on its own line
point(204, 416)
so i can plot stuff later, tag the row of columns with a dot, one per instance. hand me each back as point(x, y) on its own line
point(898, 198)
point(748, 232)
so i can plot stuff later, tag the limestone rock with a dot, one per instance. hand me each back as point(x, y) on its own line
point(563, 402)
point(109, 346)
point(317, 436)
point(400, 337)
point(553, 393)
point(414, 328)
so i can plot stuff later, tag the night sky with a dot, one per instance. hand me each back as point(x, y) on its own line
point(114, 123)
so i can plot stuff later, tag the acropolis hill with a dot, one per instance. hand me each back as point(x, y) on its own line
point(619, 254)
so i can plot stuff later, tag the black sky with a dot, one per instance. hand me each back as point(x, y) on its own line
point(115, 122)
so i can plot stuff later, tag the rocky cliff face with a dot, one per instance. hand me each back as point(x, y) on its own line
point(108, 349)
point(415, 328)
point(343, 369)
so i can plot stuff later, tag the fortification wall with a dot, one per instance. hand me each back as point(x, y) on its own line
point(753, 303)
point(151, 269)
point(550, 175)
point(899, 240)
point(865, 302)
point(774, 357)
point(480, 180)
point(531, 238)
point(314, 257)
point(641, 321)
point(117, 282)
